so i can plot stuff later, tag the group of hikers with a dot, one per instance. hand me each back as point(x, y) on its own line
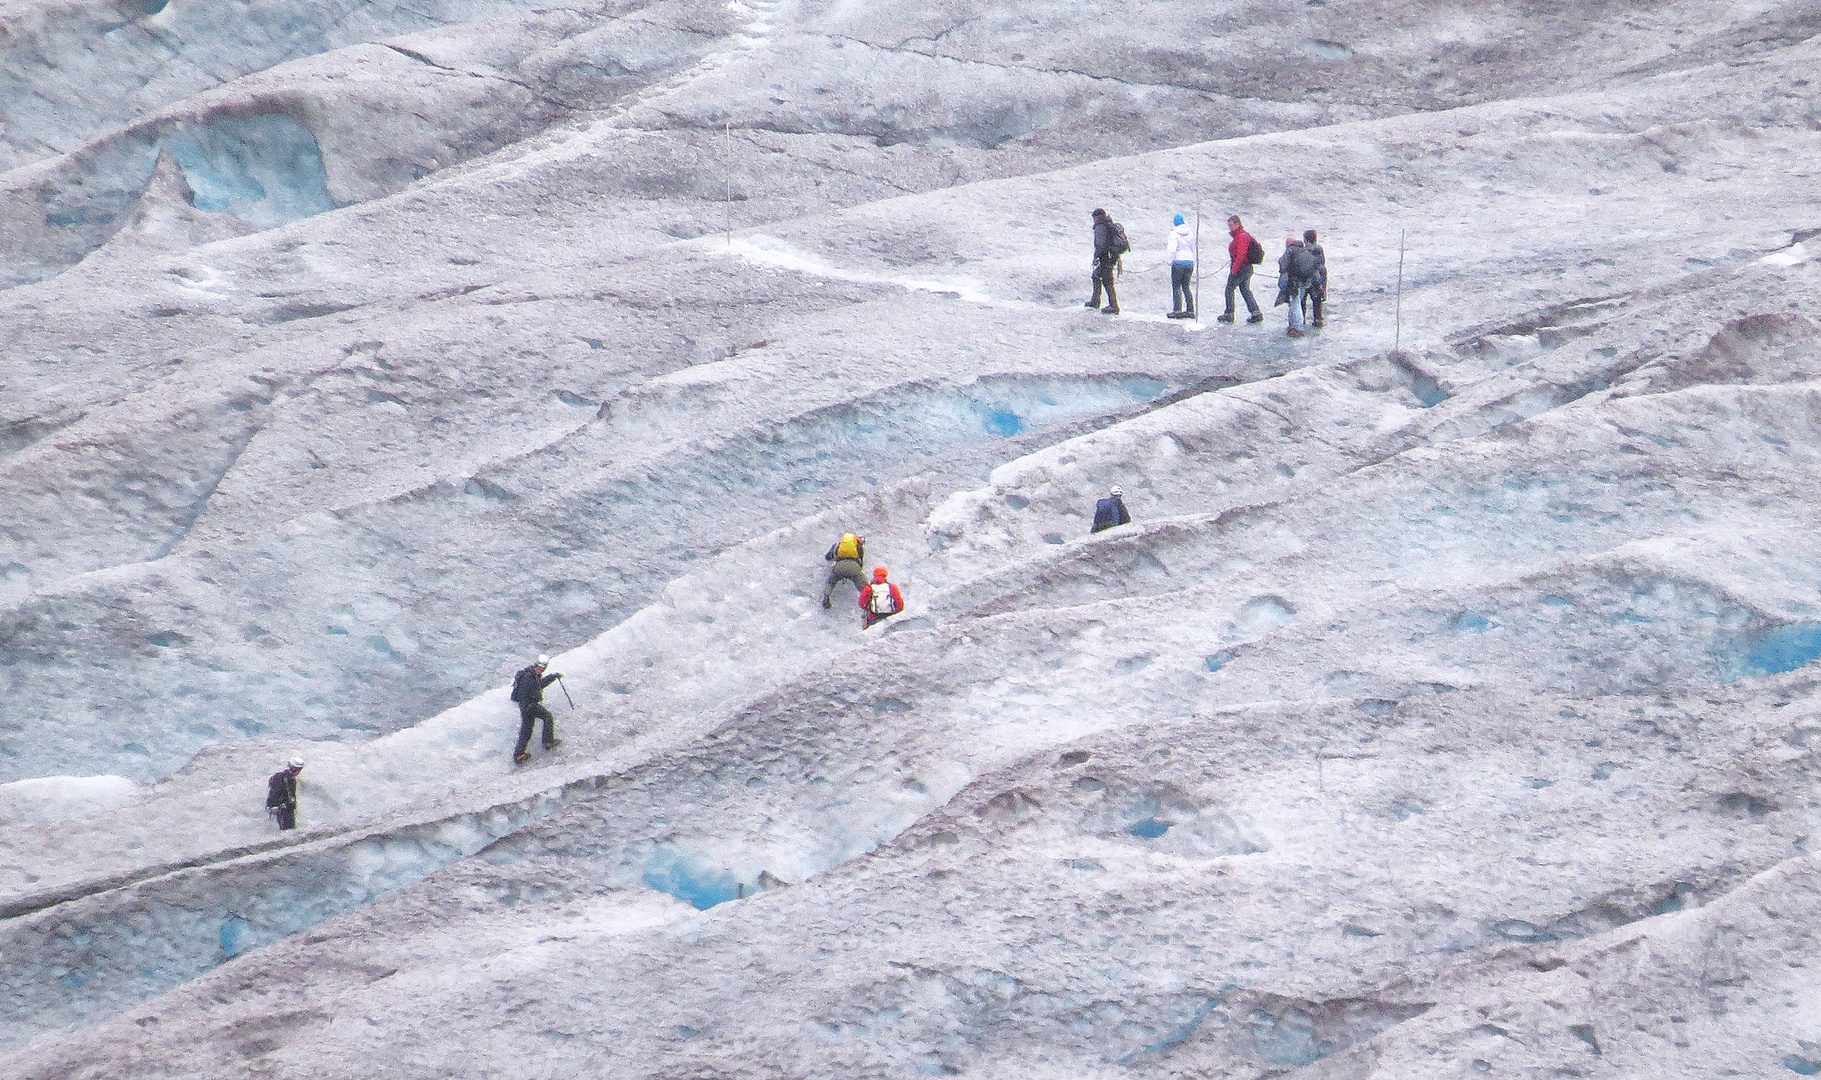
point(528, 688)
point(1302, 271)
point(880, 599)
point(1302, 284)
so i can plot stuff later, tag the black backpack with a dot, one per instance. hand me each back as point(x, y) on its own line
point(519, 689)
point(1255, 253)
point(1302, 264)
point(1120, 245)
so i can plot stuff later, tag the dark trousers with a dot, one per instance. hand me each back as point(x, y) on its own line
point(527, 719)
point(1243, 282)
point(1312, 302)
point(1103, 277)
point(1182, 287)
point(287, 817)
point(869, 618)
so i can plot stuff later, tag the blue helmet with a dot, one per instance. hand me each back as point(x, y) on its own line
point(1179, 219)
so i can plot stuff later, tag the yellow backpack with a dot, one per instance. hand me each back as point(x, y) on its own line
point(849, 547)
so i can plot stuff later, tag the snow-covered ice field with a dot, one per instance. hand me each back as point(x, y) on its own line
point(1446, 710)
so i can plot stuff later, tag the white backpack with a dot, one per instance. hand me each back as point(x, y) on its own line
point(882, 599)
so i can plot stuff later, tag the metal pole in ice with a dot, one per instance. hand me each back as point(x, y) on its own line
point(1197, 262)
point(727, 176)
point(1397, 333)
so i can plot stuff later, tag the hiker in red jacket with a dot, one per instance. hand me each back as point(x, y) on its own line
point(880, 600)
point(1239, 270)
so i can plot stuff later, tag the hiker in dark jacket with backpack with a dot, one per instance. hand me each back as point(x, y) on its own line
point(1318, 291)
point(1295, 274)
point(1242, 254)
point(1109, 244)
point(528, 690)
point(1110, 512)
point(281, 794)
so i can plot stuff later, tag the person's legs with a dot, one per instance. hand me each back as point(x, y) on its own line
point(527, 719)
point(549, 727)
point(1316, 296)
point(1181, 298)
point(1095, 301)
point(287, 818)
point(1232, 283)
point(1103, 276)
point(1296, 307)
point(1245, 290)
point(843, 570)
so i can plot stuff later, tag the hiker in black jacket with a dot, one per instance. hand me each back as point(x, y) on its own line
point(1318, 289)
point(1107, 250)
point(528, 690)
point(1295, 273)
point(281, 794)
point(1110, 512)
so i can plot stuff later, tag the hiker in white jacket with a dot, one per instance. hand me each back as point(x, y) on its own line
point(1181, 256)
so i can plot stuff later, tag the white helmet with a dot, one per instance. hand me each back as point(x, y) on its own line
point(1116, 492)
point(294, 763)
point(543, 660)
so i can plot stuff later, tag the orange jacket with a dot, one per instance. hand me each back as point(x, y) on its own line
point(866, 599)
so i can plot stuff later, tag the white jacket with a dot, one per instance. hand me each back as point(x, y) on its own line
point(1182, 244)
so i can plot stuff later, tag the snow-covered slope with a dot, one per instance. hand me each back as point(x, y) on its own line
point(1442, 712)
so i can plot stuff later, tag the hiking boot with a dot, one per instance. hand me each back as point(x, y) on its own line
point(1228, 317)
point(1257, 317)
point(520, 759)
point(1109, 310)
point(827, 604)
point(1294, 333)
point(1092, 304)
point(1318, 324)
point(1174, 315)
point(553, 744)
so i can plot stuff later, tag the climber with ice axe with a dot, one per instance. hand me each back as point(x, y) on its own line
point(528, 691)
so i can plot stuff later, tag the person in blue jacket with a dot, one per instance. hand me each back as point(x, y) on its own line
point(1110, 512)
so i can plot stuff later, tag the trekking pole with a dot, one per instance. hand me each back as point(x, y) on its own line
point(1397, 333)
point(565, 686)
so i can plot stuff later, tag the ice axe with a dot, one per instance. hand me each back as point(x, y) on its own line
point(565, 686)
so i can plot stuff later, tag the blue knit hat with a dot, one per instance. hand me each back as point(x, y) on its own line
point(1179, 219)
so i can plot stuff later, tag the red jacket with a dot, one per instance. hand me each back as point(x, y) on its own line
point(1238, 249)
point(866, 599)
